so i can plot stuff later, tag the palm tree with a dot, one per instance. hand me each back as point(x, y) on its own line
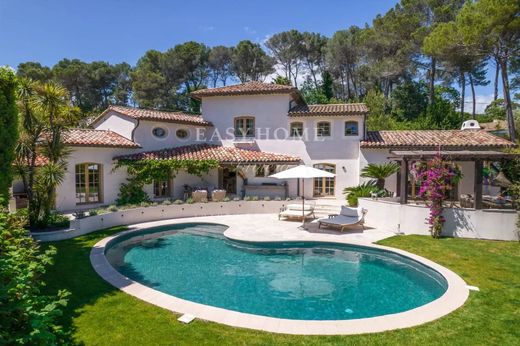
point(46, 113)
point(379, 172)
point(363, 190)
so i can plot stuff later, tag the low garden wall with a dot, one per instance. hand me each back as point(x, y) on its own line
point(161, 212)
point(490, 224)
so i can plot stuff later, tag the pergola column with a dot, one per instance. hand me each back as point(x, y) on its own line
point(477, 187)
point(403, 182)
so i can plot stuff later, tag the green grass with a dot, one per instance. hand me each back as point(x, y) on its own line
point(99, 314)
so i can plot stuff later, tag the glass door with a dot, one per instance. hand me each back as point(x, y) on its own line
point(325, 186)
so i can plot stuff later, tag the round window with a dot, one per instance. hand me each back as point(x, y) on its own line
point(181, 133)
point(159, 132)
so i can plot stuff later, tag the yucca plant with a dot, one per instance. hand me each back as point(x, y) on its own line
point(379, 172)
point(363, 190)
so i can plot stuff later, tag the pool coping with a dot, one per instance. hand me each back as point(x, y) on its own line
point(454, 297)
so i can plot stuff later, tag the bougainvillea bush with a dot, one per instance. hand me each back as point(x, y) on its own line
point(437, 179)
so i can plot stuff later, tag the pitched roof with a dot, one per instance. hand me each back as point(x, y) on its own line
point(212, 152)
point(434, 138)
point(329, 109)
point(156, 115)
point(250, 88)
point(97, 138)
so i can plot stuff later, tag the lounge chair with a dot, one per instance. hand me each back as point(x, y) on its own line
point(346, 218)
point(295, 211)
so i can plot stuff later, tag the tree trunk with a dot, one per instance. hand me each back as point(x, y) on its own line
point(348, 83)
point(473, 97)
point(507, 99)
point(432, 80)
point(497, 71)
point(462, 93)
point(354, 86)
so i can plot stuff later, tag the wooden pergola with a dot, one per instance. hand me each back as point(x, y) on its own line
point(477, 156)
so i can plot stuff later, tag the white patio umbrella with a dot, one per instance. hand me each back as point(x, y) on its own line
point(303, 172)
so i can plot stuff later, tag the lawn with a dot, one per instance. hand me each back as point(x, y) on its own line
point(99, 314)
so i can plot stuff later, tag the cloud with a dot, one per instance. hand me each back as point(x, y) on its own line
point(482, 101)
point(206, 28)
point(249, 30)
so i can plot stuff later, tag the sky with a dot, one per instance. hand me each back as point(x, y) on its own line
point(122, 30)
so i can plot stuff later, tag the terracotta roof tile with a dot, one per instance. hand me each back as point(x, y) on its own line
point(250, 88)
point(212, 152)
point(97, 138)
point(434, 138)
point(329, 109)
point(152, 114)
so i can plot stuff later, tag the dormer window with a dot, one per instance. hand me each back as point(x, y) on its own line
point(323, 129)
point(159, 132)
point(244, 127)
point(351, 128)
point(181, 133)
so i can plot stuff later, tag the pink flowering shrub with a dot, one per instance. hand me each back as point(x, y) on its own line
point(437, 178)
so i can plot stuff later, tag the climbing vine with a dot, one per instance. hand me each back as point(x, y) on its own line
point(143, 172)
point(437, 178)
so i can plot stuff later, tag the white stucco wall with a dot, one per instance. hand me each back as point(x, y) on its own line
point(66, 192)
point(272, 126)
point(460, 222)
point(116, 122)
point(143, 135)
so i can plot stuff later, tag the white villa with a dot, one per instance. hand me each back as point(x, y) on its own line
point(254, 130)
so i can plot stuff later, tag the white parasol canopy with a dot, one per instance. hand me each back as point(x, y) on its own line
point(303, 172)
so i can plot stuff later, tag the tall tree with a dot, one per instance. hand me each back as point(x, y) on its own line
point(445, 43)
point(188, 64)
point(287, 48)
point(494, 27)
point(122, 93)
point(431, 13)
point(73, 75)
point(34, 70)
point(343, 54)
point(313, 52)
point(220, 64)
point(150, 86)
point(251, 63)
point(8, 130)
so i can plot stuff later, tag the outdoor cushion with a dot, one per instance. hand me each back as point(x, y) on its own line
point(351, 212)
point(308, 207)
point(340, 220)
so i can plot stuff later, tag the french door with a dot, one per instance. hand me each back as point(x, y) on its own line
point(325, 186)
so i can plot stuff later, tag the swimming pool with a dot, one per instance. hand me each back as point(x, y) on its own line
point(289, 280)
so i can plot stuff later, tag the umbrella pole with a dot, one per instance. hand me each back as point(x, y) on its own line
point(303, 203)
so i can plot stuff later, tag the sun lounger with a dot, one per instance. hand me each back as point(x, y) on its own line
point(346, 218)
point(295, 211)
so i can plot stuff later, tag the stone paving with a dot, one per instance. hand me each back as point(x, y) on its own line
point(266, 227)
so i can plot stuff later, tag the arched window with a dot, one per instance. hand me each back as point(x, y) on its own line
point(296, 129)
point(244, 127)
point(351, 128)
point(323, 129)
point(89, 179)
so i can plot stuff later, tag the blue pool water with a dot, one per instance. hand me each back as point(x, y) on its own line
point(294, 280)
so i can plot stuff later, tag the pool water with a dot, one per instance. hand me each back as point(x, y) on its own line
point(293, 280)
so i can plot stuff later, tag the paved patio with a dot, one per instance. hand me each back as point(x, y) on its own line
point(267, 227)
